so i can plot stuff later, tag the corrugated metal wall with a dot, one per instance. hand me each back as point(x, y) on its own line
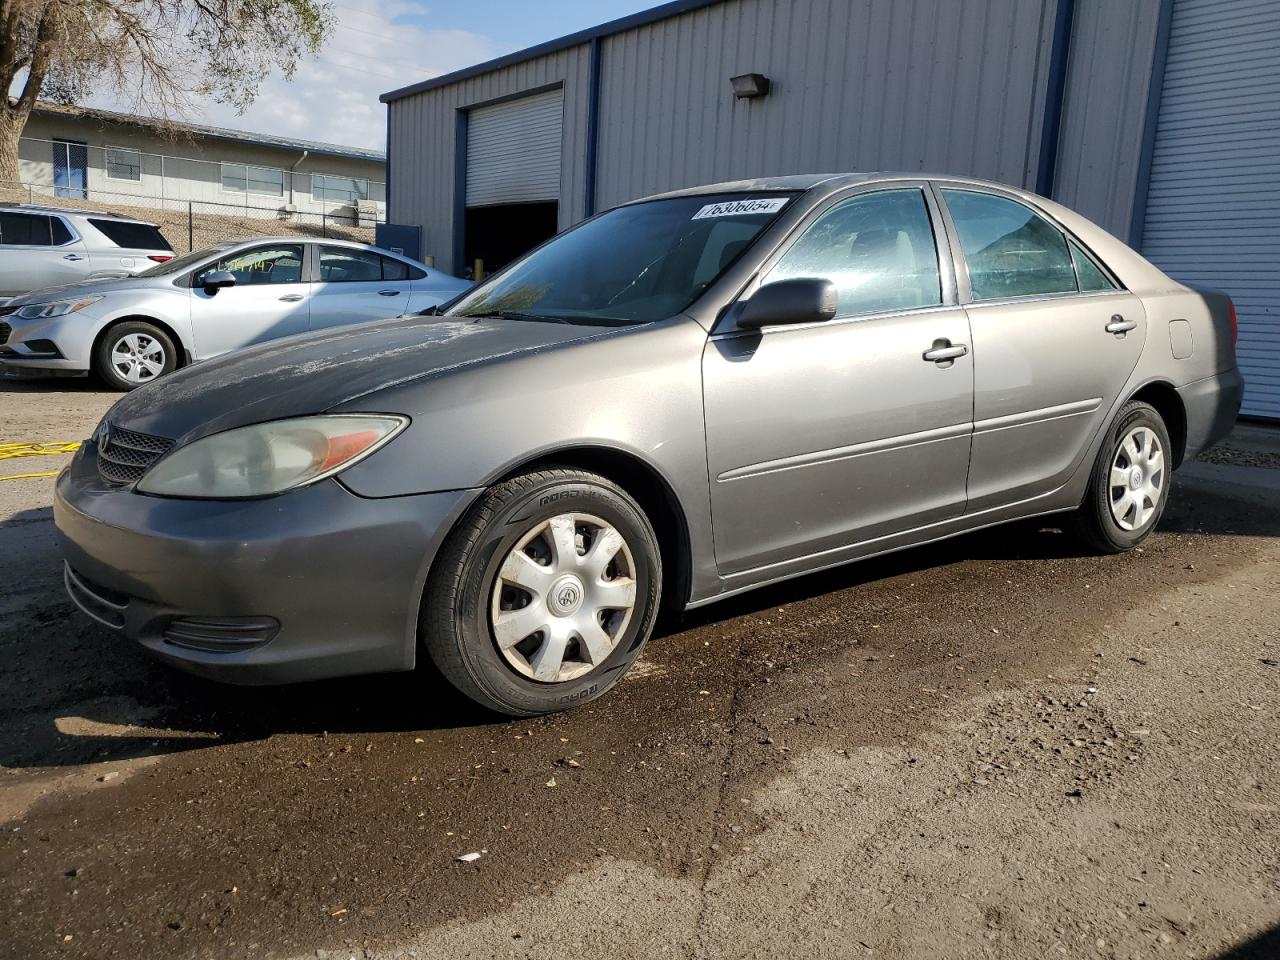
point(1108, 78)
point(956, 86)
point(423, 139)
point(857, 85)
point(1213, 206)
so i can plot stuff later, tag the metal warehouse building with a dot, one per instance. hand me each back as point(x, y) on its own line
point(1159, 119)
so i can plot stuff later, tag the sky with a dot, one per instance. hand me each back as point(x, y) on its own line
point(379, 45)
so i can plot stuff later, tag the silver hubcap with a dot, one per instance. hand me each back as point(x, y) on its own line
point(1137, 478)
point(563, 598)
point(137, 357)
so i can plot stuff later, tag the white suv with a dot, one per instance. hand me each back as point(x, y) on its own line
point(50, 246)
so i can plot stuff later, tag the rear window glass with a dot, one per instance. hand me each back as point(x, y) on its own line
point(59, 231)
point(137, 236)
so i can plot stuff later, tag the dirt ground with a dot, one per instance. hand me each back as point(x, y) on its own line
point(1000, 746)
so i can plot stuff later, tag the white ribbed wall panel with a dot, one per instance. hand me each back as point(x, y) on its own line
point(513, 150)
point(1213, 204)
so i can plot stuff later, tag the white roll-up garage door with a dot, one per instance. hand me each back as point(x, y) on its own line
point(1213, 205)
point(513, 151)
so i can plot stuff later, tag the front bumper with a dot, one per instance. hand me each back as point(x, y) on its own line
point(314, 583)
point(1212, 407)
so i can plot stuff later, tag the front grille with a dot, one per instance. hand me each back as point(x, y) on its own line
point(127, 455)
point(5, 330)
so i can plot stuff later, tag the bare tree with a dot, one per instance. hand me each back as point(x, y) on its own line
point(161, 57)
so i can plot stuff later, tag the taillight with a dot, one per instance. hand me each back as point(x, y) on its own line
point(160, 257)
point(1235, 323)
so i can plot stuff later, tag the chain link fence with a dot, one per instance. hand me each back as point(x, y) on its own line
point(195, 224)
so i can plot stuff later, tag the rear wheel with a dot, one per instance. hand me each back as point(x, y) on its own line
point(134, 353)
point(545, 593)
point(1130, 483)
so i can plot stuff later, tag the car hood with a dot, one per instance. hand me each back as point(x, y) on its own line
point(314, 372)
point(84, 288)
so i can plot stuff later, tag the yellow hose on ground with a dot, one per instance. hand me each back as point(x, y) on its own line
point(9, 451)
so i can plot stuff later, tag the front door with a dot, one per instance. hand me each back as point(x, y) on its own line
point(269, 300)
point(826, 435)
point(1056, 339)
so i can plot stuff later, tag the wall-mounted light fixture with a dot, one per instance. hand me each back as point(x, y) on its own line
point(749, 86)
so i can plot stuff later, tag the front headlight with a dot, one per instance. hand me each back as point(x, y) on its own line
point(55, 308)
point(270, 458)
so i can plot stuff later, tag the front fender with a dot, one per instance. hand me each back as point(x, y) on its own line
point(637, 391)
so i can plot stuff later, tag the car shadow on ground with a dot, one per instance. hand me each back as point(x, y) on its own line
point(1265, 946)
point(83, 694)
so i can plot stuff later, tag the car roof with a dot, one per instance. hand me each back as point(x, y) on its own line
point(807, 181)
point(70, 211)
point(297, 238)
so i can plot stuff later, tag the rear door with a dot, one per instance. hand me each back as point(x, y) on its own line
point(38, 250)
point(1055, 338)
point(354, 285)
point(831, 434)
point(269, 300)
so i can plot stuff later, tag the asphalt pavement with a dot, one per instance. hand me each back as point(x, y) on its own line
point(998, 746)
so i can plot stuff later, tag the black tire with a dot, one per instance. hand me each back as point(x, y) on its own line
point(107, 372)
point(455, 618)
point(1093, 522)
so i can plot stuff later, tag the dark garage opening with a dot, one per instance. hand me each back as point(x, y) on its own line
point(498, 234)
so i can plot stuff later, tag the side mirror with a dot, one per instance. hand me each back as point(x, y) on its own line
point(215, 281)
point(803, 300)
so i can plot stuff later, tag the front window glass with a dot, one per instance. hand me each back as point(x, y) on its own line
point(328, 189)
point(123, 164)
point(1011, 251)
point(239, 178)
point(25, 230)
point(261, 265)
point(878, 250)
point(634, 264)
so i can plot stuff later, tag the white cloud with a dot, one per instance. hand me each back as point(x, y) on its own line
point(334, 97)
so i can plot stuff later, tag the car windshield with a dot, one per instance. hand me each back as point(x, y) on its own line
point(634, 264)
point(178, 264)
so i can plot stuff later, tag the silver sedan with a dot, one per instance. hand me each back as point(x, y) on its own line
point(131, 330)
point(683, 398)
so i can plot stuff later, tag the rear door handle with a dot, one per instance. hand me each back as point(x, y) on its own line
point(388, 293)
point(73, 257)
point(944, 351)
point(292, 297)
point(1119, 324)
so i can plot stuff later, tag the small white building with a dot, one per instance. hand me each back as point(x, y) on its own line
point(96, 155)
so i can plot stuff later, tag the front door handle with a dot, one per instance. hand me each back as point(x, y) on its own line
point(945, 352)
point(388, 293)
point(73, 257)
point(291, 298)
point(1119, 324)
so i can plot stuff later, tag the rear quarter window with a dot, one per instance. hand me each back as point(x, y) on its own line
point(136, 236)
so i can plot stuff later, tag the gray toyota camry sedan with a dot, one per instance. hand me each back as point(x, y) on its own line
point(680, 399)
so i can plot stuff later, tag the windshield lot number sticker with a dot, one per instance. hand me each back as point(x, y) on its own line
point(738, 207)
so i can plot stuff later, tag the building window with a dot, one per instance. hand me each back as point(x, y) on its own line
point(240, 178)
point(123, 164)
point(328, 189)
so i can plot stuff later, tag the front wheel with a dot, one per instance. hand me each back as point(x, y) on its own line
point(1130, 483)
point(134, 353)
point(545, 593)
